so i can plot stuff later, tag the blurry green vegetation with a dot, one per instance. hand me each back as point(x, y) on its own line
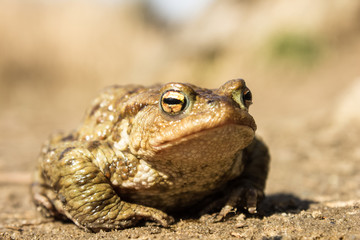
point(301, 50)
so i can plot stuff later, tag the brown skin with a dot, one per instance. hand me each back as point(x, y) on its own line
point(142, 152)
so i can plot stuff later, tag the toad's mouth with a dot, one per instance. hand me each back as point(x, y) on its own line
point(234, 126)
point(226, 137)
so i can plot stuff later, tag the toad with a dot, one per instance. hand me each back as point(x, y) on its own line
point(143, 153)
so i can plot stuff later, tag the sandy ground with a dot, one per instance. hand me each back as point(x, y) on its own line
point(309, 118)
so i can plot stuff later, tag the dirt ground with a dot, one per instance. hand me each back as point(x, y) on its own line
point(309, 118)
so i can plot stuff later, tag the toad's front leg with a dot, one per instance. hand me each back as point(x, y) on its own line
point(248, 189)
point(70, 184)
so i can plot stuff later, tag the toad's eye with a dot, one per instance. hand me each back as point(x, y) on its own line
point(173, 102)
point(243, 98)
point(247, 96)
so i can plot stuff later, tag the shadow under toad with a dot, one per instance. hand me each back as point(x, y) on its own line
point(283, 203)
point(272, 204)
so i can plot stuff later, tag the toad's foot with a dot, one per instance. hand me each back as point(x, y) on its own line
point(246, 197)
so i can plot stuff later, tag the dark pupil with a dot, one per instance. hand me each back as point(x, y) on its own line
point(172, 101)
point(248, 96)
point(175, 101)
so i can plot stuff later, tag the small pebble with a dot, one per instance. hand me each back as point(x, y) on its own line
point(316, 215)
point(240, 221)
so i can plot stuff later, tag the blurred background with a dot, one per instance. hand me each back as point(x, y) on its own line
point(300, 58)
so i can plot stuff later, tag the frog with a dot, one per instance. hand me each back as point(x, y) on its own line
point(146, 153)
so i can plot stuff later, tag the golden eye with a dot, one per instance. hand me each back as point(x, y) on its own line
point(173, 102)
